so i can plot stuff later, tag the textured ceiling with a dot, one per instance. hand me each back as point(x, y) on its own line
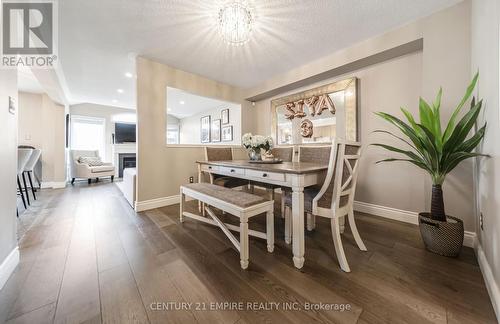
point(100, 38)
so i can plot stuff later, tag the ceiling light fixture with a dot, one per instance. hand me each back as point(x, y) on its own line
point(182, 102)
point(119, 90)
point(235, 22)
point(129, 75)
point(115, 101)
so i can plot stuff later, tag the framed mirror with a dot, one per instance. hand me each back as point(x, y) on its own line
point(317, 116)
point(199, 120)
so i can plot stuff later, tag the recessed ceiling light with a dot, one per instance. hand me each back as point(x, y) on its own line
point(129, 75)
point(115, 101)
point(182, 102)
point(119, 90)
point(168, 109)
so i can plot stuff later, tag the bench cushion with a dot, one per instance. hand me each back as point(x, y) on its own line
point(234, 197)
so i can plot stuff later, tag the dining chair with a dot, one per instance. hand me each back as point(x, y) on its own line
point(223, 154)
point(28, 170)
point(23, 156)
point(335, 198)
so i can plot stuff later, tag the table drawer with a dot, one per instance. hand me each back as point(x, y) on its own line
point(209, 168)
point(229, 170)
point(274, 176)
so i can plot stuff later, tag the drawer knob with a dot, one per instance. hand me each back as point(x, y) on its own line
point(232, 170)
point(210, 168)
point(264, 175)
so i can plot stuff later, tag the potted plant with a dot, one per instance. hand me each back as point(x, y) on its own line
point(438, 152)
point(255, 143)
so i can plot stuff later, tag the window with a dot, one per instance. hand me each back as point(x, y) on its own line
point(88, 133)
point(173, 134)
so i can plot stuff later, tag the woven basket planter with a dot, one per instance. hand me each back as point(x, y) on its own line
point(443, 238)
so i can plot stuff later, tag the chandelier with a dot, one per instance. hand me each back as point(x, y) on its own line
point(235, 23)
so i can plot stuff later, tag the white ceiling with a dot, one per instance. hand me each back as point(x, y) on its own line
point(100, 39)
point(182, 104)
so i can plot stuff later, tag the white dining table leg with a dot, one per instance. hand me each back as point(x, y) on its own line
point(298, 226)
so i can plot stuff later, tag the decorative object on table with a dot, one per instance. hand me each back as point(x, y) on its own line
point(227, 134)
point(438, 153)
point(256, 145)
point(224, 115)
point(267, 156)
point(271, 161)
point(306, 128)
point(205, 129)
point(215, 130)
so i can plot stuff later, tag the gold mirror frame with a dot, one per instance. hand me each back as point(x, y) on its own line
point(350, 106)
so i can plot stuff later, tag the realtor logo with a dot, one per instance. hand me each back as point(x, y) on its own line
point(28, 33)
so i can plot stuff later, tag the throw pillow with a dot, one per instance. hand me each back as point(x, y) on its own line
point(90, 160)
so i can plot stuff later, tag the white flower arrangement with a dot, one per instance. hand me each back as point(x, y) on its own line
point(257, 142)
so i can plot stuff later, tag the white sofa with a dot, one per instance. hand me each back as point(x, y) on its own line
point(84, 171)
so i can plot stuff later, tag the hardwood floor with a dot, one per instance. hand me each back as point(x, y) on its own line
point(86, 257)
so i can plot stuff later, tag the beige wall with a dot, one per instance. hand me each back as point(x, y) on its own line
point(383, 87)
point(445, 60)
point(161, 169)
point(106, 112)
point(485, 58)
point(8, 164)
point(42, 125)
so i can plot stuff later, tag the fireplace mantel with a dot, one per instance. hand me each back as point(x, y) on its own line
point(128, 148)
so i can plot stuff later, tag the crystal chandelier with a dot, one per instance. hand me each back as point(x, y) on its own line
point(235, 22)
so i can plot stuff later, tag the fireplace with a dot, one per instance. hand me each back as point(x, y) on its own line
point(125, 160)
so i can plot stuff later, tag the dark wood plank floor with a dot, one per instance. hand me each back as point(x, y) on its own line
point(86, 257)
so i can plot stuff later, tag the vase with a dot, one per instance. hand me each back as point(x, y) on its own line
point(444, 238)
point(254, 155)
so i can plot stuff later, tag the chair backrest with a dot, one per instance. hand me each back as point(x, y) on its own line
point(318, 154)
point(33, 160)
point(218, 153)
point(340, 184)
point(76, 154)
point(283, 153)
point(23, 156)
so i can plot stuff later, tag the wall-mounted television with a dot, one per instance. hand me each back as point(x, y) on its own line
point(124, 133)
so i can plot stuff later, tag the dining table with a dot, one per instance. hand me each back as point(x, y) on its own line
point(294, 175)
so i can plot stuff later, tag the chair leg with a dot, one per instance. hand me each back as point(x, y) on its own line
point(96, 180)
point(72, 181)
point(311, 222)
point(112, 178)
point(270, 231)
point(354, 230)
point(26, 189)
point(252, 189)
point(282, 204)
point(90, 180)
point(288, 225)
point(339, 248)
point(244, 243)
point(21, 191)
point(182, 203)
point(31, 184)
point(342, 224)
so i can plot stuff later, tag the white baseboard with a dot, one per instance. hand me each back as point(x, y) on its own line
point(156, 203)
point(8, 265)
point(491, 284)
point(53, 185)
point(387, 212)
point(402, 216)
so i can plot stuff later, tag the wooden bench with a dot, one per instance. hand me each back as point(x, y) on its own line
point(237, 203)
